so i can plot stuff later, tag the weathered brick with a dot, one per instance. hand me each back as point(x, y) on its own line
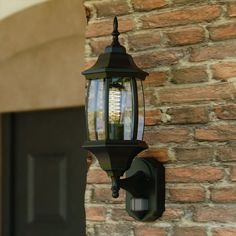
point(156, 58)
point(156, 78)
point(146, 40)
point(223, 32)
point(187, 231)
point(223, 231)
point(232, 9)
point(211, 92)
point(182, 17)
point(224, 195)
point(187, 1)
point(216, 133)
point(218, 214)
point(194, 174)
point(103, 195)
point(188, 115)
point(97, 176)
point(233, 174)
point(150, 97)
point(167, 135)
point(160, 154)
point(89, 62)
point(194, 74)
point(114, 229)
point(186, 36)
point(225, 112)
point(104, 27)
point(150, 231)
point(148, 4)
point(120, 214)
point(186, 194)
point(213, 52)
point(194, 154)
point(227, 153)
point(99, 45)
point(152, 117)
point(172, 213)
point(111, 8)
point(95, 213)
point(224, 71)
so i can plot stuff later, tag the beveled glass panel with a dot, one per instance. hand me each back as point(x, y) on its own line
point(141, 110)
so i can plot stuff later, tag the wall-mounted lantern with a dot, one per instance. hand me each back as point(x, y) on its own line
point(115, 124)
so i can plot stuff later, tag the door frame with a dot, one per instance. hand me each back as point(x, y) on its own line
point(7, 170)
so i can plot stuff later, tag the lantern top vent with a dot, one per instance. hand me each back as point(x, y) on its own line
point(115, 62)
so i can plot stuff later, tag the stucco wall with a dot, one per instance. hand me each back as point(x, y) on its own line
point(42, 56)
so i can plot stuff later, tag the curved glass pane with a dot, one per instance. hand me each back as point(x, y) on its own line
point(141, 110)
point(91, 108)
point(95, 110)
point(120, 109)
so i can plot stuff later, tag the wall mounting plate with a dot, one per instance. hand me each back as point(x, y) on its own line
point(151, 205)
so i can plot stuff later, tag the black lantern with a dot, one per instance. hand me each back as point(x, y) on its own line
point(115, 114)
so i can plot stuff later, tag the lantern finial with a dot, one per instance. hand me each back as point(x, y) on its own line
point(115, 32)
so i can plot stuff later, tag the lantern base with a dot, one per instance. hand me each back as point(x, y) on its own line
point(145, 189)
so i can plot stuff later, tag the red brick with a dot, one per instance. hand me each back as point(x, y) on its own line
point(225, 112)
point(194, 74)
point(216, 133)
point(89, 62)
point(186, 36)
point(160, 154)
point(97, 177)
point(104, 27)
point(194, 154)
point(145, 40)
point(111, 8)
point(193, 174)
point(224, 195)
point(167, 135)
point(186, 194)
point(148, 4)
point(156, 58)
point(103, 195)
point(113, 229)
point(150, 231)
point(187, 231)
point(233, 173)
point(227, 153)
point(187, 1)
point(172, 214)
point(95, 214)
point(156, 78)
point(182, 17)
point(224, 71)
point(188, 115)
point(218, 214)
point(223, 32)
point(152, 117)
point(150, 97)
point(120, 214)
point(211, 92)
point(99, 45)
point(213, 52)
point(232, 9)
point(224, 231)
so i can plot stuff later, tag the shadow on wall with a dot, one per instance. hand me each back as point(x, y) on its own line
point(42, 56)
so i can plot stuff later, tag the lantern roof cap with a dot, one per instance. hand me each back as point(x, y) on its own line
point(114, 62)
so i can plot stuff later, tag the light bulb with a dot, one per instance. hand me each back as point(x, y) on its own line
point(115, 105)
point(116, 126)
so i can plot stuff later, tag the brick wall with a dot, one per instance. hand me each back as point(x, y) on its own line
point(189, 49)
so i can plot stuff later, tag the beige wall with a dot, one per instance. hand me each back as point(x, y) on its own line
point(8, 8)
point(42, 56)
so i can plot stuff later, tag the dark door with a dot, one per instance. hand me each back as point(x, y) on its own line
point(45, 173)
